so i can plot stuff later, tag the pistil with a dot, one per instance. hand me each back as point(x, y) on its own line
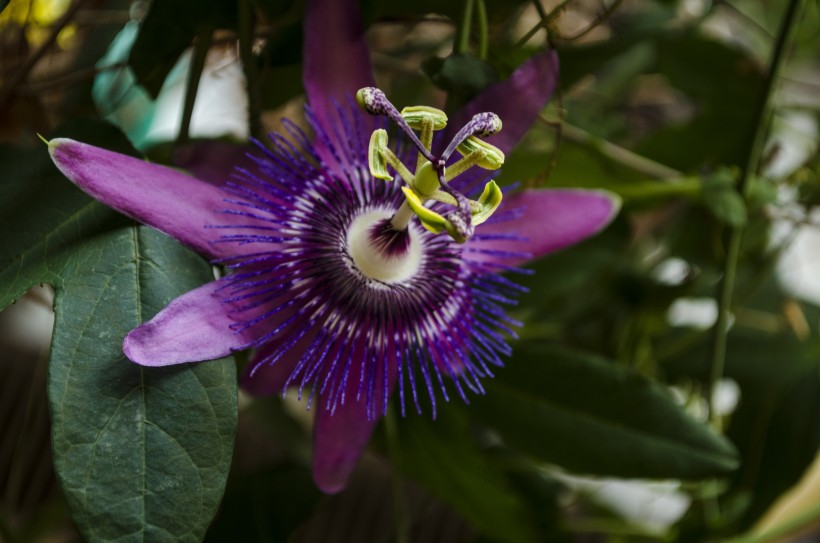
point(430, 181)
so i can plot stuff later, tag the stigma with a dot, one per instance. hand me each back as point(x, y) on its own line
point(429, 180)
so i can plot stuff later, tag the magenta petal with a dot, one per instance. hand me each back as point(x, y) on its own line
point(546, 220)
point(517, 100)
point(338, 442)
point(340, 437)
point(336, 60)
point(170, 201)
point(194, 327)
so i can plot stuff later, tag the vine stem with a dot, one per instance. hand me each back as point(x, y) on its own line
point(463, 41)
point(754, 147)
point(201, 46)
point(7, 93)
point(246, 36)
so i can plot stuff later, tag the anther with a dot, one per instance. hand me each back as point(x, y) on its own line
point(482, 125)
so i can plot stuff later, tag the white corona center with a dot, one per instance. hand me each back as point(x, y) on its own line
point(372, 261)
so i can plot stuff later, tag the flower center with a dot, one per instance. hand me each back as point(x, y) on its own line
point(430, 180)
point(381, 252)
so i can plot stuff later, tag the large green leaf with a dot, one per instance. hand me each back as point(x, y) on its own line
point(142, 454)
point(443, 456)
point(593, 416)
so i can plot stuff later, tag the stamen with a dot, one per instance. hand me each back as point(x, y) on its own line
point(431, 178)
point(375, 102)
point(481, 125)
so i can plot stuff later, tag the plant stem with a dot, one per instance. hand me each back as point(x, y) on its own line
point(201, 46)
point(483, 44)
point(754, 147)
point(619, 154)
point(463, 43)
point(246, 37)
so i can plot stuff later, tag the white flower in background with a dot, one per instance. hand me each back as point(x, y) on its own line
point(220, 109)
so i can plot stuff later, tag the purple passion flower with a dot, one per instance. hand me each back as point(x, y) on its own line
point(356, 267)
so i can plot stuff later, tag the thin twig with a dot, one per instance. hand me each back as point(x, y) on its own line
point(754, 146)
point(200, 53)
point(11, 86)
point(619, 154)
point(600, 19)
point(246, 25)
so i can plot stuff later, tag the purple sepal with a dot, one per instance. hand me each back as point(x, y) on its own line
point(517, 101)
point(543, 221)
point(166, 199)
point(341, 432)
point(194, 327)
point(336, 64)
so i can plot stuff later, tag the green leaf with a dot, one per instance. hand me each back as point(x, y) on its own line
point(3, 4)
point(141, 453)
point(462, 75)
point(169, 29)
point(445, 458)
point(593, 416)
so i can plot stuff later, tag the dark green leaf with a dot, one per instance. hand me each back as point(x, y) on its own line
point(142, 454)
point(170, 28)
point(461, 75)
point(265, 506)
point(593, 416)
point(3, 4)
point(444, 457)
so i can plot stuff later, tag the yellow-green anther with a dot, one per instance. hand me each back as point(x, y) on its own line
point(493, 156)
point(488, 202)
point(431, 220)
point(416, 115)
point(376, 156)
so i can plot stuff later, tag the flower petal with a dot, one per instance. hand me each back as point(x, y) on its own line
point(336, 64)
point(192, 328)
point(340, 436)
point(517, 100)
point(170, 201)
point(336, 60)
point(338, 442)
point(546, 221)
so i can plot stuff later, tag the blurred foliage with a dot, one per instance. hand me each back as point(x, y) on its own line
point(658, 102)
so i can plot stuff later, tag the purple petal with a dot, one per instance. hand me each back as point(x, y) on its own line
point(336, 60)
point(517, 100)
point(170, 201)
point(336, 64)
point(339, 437)
point(546, 221)
point(338, 442)
point(194, 327)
